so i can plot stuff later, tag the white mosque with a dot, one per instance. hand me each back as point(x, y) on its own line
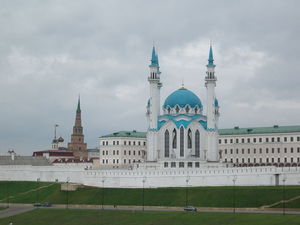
point(182, 131)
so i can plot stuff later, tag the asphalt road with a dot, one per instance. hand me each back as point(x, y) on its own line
point(11, 211)
point(15, 209)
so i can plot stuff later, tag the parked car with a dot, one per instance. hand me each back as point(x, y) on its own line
point(190, 208)
point(47, 204)
point(37, 204)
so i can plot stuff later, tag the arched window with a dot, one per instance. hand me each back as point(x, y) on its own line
point(196, 110)
point(197, 143)
point(181, 141)
point(189, 138)
point(174, 142)
point(177, 109)
point(167, 143)
point(187, 109)
point(169, 110)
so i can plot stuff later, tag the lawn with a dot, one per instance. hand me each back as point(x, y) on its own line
point(197, 196)
point(107, 217)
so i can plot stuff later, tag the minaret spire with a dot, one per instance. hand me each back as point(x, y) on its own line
point(154, 58)
point(210, 57)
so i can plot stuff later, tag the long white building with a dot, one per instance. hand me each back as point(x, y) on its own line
point(261, 146)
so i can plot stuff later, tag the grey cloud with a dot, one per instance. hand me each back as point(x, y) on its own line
point(51, 51)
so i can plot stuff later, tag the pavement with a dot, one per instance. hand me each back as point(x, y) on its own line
point(12, 211)
point(15, 209)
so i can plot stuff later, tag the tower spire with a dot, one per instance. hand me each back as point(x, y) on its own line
point(154, 58)
point(210, 57)
point(77, 145)
point(78, 105)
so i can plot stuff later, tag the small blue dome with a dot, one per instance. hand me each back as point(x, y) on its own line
point(182, 97)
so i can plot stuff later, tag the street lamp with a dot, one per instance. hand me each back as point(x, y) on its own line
point(234, 180)
point(68, 179)
point(103, 180)
point(186, 190)
point(37, 189)
point(7, 193)
point(283, 195)
point(144, 180)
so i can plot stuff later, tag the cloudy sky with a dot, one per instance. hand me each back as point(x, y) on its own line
point(50, 51)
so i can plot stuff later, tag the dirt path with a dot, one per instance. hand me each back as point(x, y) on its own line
point(281, 201)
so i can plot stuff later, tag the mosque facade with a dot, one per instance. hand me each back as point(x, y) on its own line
point(179, 129)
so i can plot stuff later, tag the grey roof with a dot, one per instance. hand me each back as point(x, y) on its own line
point(134, 133)
point(24, 160)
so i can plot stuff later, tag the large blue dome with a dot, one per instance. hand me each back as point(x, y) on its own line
point(182, 97)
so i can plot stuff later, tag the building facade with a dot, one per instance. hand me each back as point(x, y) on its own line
point(261, 146)
point(77, 145)
point(122, 149)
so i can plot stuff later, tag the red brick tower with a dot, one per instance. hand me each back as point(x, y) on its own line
point(77, 145)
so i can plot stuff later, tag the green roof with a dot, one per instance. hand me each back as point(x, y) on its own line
point(259, 130)
point(134, 134)
point(228, 131)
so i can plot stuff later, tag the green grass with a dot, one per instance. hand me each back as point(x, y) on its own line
point(197, 196)
point(106, 217)
point(15, 188)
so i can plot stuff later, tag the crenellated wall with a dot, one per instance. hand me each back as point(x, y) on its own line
point(118, 178)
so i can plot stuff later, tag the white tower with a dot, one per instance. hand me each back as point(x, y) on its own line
point(212, 110)
point(154, 107)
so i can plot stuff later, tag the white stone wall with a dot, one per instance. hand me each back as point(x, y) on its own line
point(155, 177)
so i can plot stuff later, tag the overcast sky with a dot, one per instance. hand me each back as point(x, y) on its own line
point(52, 51)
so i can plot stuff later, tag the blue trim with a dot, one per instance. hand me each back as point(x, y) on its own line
point(170, 117)
point(203, 124)
point(185, 123)
point(160, 124)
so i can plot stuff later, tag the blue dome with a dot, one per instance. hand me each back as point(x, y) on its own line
point(182, 97)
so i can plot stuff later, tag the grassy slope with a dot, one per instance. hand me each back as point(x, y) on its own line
point(93, 217)
point(197, 196)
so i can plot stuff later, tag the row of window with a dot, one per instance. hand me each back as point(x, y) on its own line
point(117, 161)
point(125, 152)
point(257, 140)
point(260, 151)
point(139, 143)
point(260, 160)
point(182, 164)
